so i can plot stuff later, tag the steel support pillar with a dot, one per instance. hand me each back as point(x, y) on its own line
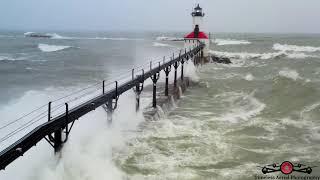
point(176, 65)
point(154, 99)
point(138, 89)
point(138, 99)
point(49, 111)
point(154, 79)
point(109, 111)
point(182, 62)
point(57, 140)
point(111, 105)
point(167, 71)
point(103, 86)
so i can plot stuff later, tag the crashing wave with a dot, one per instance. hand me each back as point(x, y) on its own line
point(51, 48)
point(286, 47)
point(264, 56)
point(222, 42)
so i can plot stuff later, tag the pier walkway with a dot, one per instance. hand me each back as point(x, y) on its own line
point(58, 127)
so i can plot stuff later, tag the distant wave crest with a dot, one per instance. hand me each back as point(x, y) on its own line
point(57, 36)
point(271, 55)
point(27, 33)
point(51, 48)
point(6, 36)
point(223, 42)
point(6, 58)
point(155, 44)
point(10, 58)
point(164, 38)
point(114, 38)
point(286, 47)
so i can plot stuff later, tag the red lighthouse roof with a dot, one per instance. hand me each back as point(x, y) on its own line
point(201, 35)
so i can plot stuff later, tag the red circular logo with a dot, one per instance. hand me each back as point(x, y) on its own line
point(286, 167)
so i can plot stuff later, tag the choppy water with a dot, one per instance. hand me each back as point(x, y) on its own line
point(262, 109)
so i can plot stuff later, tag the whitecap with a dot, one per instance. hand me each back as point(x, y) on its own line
point(299, 56)
point(249, 77)
point(57, 36)
point(222, 42)
point(286, 47)
point(51, 48)
point(28, 33)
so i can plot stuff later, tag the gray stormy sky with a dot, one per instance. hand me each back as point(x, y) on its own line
point(161, 15)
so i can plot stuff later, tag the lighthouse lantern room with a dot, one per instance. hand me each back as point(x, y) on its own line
point(198, 33)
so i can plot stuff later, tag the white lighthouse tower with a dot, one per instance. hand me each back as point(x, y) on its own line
point(198, 33)
point(197, 16)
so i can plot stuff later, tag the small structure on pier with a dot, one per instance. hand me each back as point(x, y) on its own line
point(192, 39)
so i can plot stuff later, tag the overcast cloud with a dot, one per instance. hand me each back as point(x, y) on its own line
point(174, 15)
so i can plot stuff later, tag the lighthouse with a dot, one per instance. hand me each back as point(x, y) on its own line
point(198, 33)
